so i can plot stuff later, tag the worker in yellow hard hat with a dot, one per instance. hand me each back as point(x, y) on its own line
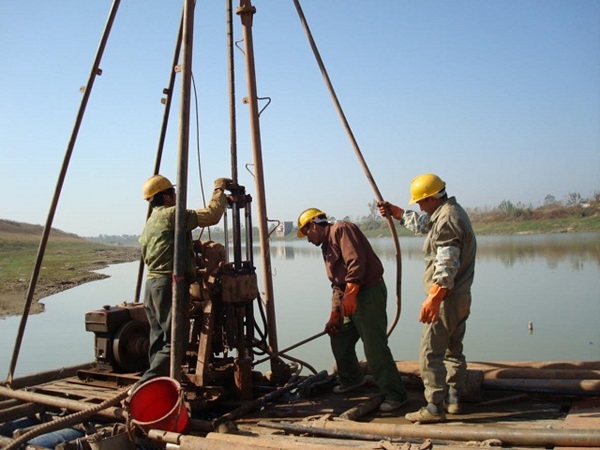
point(449, 251)
point(157, 243)
point(358, 306)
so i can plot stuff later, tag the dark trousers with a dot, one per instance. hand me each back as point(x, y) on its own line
point(158, 299)
point(368, 323)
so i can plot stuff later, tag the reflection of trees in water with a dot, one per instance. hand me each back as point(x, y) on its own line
point(574, 248)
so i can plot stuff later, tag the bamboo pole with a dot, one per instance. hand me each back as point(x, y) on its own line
point(281, 442)
point(565, 387)
point(554, 377)
point(564, 365)
point(528, 377)
point(544, 437)
point(74, 405)
point(562, 370)
point(548, 374)
point(220, 441)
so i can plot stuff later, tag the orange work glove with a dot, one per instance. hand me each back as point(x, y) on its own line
point(335, 322)
point(430, 309)
point(349, 300)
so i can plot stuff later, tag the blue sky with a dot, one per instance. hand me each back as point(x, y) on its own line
point(501, 99)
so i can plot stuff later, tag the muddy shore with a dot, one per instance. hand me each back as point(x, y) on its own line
point(13, 294)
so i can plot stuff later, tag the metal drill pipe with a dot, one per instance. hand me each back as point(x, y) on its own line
point(246, 12)
point(180, 286)
point(291, 347)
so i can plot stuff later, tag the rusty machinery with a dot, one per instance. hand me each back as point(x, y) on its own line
point(220, 351)
point(221, 340)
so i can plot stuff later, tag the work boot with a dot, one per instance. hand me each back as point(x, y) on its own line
point(428, 414)
point(452, 402)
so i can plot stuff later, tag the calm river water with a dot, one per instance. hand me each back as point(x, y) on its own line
point(549, 280)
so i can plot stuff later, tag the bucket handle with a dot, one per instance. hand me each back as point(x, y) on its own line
point(181, 405)
point(131, 423)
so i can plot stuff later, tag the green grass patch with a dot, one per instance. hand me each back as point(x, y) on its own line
point(64, 258)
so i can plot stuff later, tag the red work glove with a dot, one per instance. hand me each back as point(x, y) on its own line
point(349, 300)
point(430, 309)
point(335, 322)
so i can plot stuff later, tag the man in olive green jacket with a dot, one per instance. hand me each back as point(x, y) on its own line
point(158, 251)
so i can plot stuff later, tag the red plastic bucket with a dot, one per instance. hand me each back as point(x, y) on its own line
point(158, 404)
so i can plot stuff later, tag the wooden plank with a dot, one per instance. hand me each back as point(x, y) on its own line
point(44, 377)
point(82, 392)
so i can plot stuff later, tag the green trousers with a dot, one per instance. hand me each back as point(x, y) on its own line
point(368, 323)
point(441, 359)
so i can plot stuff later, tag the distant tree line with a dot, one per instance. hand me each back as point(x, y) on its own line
point(574, 205)
point(551, 208)
point(127, 240)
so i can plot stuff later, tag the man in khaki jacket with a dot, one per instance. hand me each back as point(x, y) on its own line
point(449, 251)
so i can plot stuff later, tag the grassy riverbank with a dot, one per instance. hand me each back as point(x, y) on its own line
point(510, 219)
point(542, 226)
point(69, 261)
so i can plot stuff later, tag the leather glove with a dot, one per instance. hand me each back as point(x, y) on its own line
point(349, 300)
point(223, 183)
point(430, 309)
point(335, 322)
point(386, 208)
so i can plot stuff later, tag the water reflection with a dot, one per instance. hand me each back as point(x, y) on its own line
point(576, 249)
point(284, 251)
point(548, 280)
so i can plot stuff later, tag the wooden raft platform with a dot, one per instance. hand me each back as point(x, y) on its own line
point(500, 416)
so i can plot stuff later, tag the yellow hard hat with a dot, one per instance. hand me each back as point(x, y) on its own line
point(306, 216)
point(154, 185)
point(425, 186)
